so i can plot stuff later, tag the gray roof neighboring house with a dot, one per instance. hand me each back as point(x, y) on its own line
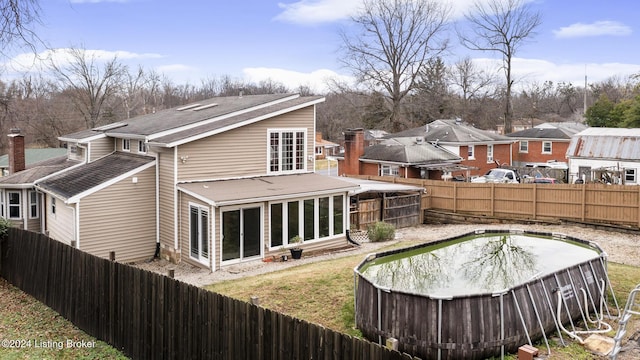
point(452, 132)
point(555, 131)
point(81, 179)
point(606, 143)
point(27, 178)
point(408, 150)
point(33, 156)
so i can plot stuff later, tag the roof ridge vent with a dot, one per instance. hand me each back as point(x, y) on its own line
point(111, 126)
point(204, 107)
point(187, 107)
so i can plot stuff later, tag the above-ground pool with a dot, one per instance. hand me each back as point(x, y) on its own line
point(478, 295)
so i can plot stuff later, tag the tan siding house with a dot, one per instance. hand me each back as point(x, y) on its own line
point(62, 220)
point(100, 147)
point(121, 218)
point(213, 183)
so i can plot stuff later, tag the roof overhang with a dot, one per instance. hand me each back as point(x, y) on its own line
point(365, 185)
point(265, 188)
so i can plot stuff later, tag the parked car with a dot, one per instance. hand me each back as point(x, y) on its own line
point(498, 176)
point(542, 180)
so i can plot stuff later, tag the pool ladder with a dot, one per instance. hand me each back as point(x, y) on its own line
point(631, 308)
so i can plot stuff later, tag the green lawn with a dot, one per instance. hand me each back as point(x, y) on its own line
point(31, 330)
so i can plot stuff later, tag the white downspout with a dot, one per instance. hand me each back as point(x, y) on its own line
point(76, 210)
point(175, 198)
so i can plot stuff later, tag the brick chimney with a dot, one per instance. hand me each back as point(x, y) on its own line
point(16, 151)
point(353, 149)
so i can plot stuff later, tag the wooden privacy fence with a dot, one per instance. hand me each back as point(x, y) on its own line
point(597, 203)
point(151, 316)
point(399, 210)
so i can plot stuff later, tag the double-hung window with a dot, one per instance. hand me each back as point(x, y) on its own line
point(287, 150)
point(471, 152)
point(142, 147)
point(630, 176)
point(546, 147)
point(126, 145)
point(34, 205)
point(489, 153)
point(14, 205)
point(524, 146)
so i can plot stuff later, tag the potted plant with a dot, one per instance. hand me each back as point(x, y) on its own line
point(296, 252)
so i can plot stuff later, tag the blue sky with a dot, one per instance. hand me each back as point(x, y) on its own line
point(297, 42)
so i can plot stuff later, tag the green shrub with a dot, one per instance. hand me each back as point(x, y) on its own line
point(381, 231)
point(4, 227)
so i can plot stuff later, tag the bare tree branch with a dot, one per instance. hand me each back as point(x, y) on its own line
point(396, 39)
point(501, 26)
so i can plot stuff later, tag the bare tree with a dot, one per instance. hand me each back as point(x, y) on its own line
point(501, 26)
point(90, 86)
point(471, 82)
point(394, 41)
point(17, 17)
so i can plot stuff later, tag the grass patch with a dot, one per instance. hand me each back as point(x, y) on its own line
point(24, 318)
point(322, 293)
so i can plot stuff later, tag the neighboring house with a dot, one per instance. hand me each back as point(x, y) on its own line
point(373, 136)
point(519, 125)
point(407, 157)
point(543, 143)
point(324, 147)
point(32, 156)
point(19, 200)
point(212, 183)
point(609, 155)
point(480, 150)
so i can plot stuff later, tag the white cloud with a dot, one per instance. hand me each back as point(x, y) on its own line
point(31, 62)
point(597, 28)
point(528, 71)
point(318, 80)
point(317, 11)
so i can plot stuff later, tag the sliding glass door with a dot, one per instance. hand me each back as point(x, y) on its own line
point(241, 233)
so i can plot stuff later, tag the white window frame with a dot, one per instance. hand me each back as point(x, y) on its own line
point(18, 205)
point(550, 143)
point(34, 205)
point(389, 170)
point(630, 175)
point(53, 205)
point(319, 150)
point(298, 160)
point(126, 145)
point(332, 211)
point(489, 153)
point(524, 146)
point(471, 152)
point(2, 208)
point(142, 147)
point(201, 258)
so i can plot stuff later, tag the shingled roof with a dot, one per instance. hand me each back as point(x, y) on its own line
point(37, 171)
point(452, 132)
point(88, 176)
point(408, 150)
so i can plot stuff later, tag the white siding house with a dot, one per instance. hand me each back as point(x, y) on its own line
point(607, 155)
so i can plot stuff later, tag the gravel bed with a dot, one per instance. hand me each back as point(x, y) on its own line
point(621, 247)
